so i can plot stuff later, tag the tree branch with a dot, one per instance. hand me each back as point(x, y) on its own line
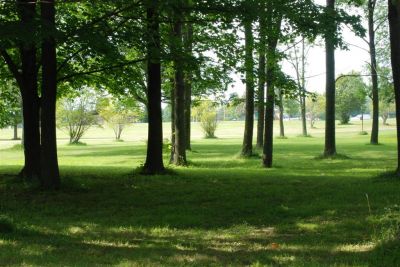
point(11, 66)
point(116, 66)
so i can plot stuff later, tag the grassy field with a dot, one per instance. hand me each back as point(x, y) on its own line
point(220, 211)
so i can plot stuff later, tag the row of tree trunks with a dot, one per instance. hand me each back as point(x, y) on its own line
point(154, 159)
point(374, 74)
point(330, 141)
point(39, 133)
point(247, 148)
point(394, 25)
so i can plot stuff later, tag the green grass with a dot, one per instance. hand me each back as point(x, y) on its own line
point(220, 211)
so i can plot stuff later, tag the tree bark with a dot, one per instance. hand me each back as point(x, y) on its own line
point(154, 159)
point(374, 74)
point(179, 157)
point(261, 85)
point(330, 139)
point(247, 148)
point(394, 25)
point(49, 175)
point(29, 93)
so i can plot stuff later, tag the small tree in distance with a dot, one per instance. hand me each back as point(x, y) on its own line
point(77, 115)
point(315, 107)
point(350, 96)
point(118, 113)
point(208, 118)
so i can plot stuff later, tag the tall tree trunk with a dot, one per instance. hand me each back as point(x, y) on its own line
point(180, 139)
point(394, 24)
point(154, 159)
point(29, 93)
point(261, 85)
point(172, 82)
point(270, 106)
point(374, 74)
point(281, 114)
point(330, 139)
point(49, 175)
point(247, 148)
point(274, 24)
point(188, 84)
point(303, 90)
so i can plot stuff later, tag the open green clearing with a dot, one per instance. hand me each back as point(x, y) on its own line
point(222, 210)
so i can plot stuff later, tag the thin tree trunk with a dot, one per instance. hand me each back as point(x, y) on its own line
point(281, 114)
point(154, 159)
point(172, 81)
point(49, 175)
point(330, 141)
point(374, 74)
point(188, 84)
point(180, 140)
point(261, 85)
point(303, 90)
point(394, 25)
point(247, 148)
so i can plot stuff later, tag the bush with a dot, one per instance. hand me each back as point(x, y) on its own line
point(208, 122)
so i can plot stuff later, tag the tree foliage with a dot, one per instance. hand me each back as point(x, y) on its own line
point(350, 97)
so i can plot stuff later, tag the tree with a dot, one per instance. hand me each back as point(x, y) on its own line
point(394, 25)
point(118, 113)
point(154, 160)
point(247, 147)
point(292, 107)
point(281, 113)
point(208, 118)
point(10, 107)
point(261, 83)
point(274, 20)
point(26, 77)
point(374, 71)
point(50, 175)
point(350, 96)
point(76, 115)
point(315, 108)
point(179, 145)
point(298, 59)
point(330, 138)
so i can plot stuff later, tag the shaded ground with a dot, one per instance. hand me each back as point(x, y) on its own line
point(221, 211)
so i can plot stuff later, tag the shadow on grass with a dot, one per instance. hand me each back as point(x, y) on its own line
point(220, 211)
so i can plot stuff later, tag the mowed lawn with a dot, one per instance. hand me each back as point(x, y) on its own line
point(222, 210)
